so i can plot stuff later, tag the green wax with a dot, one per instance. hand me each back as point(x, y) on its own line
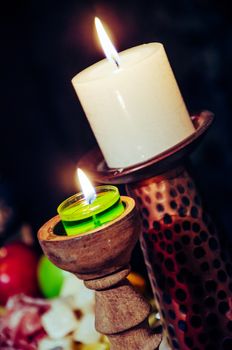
point(78, 216)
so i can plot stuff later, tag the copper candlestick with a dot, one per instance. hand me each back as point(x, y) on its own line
point(189, 274)
point(101, 258)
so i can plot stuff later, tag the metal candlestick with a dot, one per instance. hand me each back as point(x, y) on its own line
point(189, 274)
point(101, 258)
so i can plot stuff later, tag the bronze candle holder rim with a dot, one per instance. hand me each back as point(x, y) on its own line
point(95, 164)
point(46, 232)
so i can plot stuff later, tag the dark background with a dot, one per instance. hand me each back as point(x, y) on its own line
point(43, 128)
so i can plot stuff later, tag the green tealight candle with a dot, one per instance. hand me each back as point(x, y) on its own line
point(80, 214)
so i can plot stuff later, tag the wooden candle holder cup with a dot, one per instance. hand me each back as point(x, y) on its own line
point(101, 258)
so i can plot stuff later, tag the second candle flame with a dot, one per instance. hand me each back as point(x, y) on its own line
point(86, 186)
point(107, 46)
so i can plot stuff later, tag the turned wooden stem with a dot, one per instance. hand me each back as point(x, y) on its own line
point(121, 313)
point(101, 258)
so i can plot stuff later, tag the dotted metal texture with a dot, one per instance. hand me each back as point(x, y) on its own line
point(189, 273)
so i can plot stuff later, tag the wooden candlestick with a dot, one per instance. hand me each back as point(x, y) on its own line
point(189, 273)
point(101, 258)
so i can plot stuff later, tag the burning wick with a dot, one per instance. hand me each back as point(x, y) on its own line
point(86, 187)
point(88, 191)
point(107, 46)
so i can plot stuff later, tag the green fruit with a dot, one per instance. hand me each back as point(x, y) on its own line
point(50, 278)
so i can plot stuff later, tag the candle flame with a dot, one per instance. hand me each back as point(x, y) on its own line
point(86, 187)
point(107, 46)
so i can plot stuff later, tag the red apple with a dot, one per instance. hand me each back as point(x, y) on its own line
point(18, 267)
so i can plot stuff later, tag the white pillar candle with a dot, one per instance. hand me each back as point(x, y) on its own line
point(135, 110)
